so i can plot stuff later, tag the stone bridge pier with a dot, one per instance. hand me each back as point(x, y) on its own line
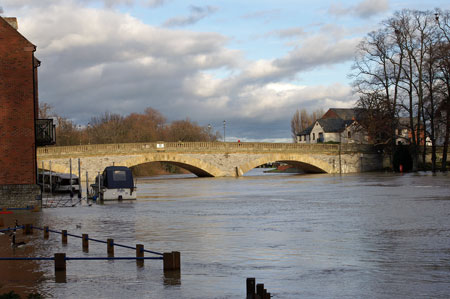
point(213, 159)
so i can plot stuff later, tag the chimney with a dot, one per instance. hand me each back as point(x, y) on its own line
point(12, 22)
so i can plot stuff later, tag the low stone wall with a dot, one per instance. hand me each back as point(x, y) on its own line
point(19, 196)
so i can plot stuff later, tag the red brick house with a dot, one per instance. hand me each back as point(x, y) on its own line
point(18, 117)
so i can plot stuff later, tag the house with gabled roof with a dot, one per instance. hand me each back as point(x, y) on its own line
point(336, 125)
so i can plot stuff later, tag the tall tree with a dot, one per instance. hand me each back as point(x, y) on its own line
point(400, 69)
point(443, 23)
point(376, 77)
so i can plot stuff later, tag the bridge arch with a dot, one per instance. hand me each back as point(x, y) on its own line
point(304, 162)
point(196, 166)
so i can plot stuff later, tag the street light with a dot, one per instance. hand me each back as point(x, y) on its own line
point(79, 132)
point(224, 126)
point(340, 150)
point(209, 132)
point(89, 137)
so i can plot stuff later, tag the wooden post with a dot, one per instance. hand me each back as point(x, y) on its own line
point(60, 262)
point(85, 238)
point(176, 260)
point(64, 236)
point(87, 187)
point(167, 261)
point(50, 179)
point(28, 229)
point(46, 232)
point(250, 288)
point(139, 253)
point(110, 247)
point(60, 267)
point(171, 261)
point(79, 179)
point(260, 290)
point(70, 178)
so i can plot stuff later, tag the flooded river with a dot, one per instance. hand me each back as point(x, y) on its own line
point(303, 236)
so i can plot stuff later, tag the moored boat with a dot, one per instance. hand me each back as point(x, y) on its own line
point(115, 183)
point(59, 182)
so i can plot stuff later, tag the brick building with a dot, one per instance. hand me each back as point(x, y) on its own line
point(18, 115)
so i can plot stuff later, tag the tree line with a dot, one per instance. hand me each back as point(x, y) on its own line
point(402, 76)
point(149, 126)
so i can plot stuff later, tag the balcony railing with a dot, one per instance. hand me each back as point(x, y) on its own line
point(45, 132)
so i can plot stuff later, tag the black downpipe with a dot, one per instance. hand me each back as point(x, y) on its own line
point(35, 116)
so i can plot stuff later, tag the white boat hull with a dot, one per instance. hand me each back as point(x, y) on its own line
point(117, 194)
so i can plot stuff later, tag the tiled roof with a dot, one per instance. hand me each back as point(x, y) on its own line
point(334, 125)
point(306, 131)
point(347, 113)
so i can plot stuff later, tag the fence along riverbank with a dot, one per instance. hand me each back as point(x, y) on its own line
point(171, 260)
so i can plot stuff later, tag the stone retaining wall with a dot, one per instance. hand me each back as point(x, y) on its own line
point(19, 196)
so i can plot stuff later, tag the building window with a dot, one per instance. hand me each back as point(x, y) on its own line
point(349, 134)
point(314, 136)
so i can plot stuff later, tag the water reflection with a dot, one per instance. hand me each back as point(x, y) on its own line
point(307, 236)
point(22, 277)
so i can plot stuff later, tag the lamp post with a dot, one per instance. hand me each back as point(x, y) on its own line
point(340, 149)
point(79, 132)
point(340, 161)
point(224, 126)
point(89, 137)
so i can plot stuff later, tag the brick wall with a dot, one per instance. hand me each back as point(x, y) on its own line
point(17, 107)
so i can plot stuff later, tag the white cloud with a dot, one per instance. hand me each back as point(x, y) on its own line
point(363, 9)
point(96, 60)
point(289, 32)
point(197, 13)
point(368, 8)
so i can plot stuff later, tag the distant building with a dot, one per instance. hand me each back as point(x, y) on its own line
point(336, 125)
point(404, 134)
point(19, 134)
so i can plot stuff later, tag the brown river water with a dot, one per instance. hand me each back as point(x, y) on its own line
point(373, 235)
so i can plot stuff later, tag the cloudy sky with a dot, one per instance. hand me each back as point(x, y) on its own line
point(251, 63)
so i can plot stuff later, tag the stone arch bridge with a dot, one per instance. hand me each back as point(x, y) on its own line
point(213, 159)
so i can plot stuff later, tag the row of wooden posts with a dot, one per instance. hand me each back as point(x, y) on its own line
point(171, 260)
point(256, 291)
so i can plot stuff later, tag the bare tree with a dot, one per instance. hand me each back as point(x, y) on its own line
point(45, 110)
point(443, 22)
point(376, 78)
point(302, 120)
point(400, 69)
point(296, 125)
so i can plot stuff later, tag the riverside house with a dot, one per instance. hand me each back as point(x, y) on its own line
point(336, 125)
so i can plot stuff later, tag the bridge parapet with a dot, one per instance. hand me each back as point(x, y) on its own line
point(219, 147)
